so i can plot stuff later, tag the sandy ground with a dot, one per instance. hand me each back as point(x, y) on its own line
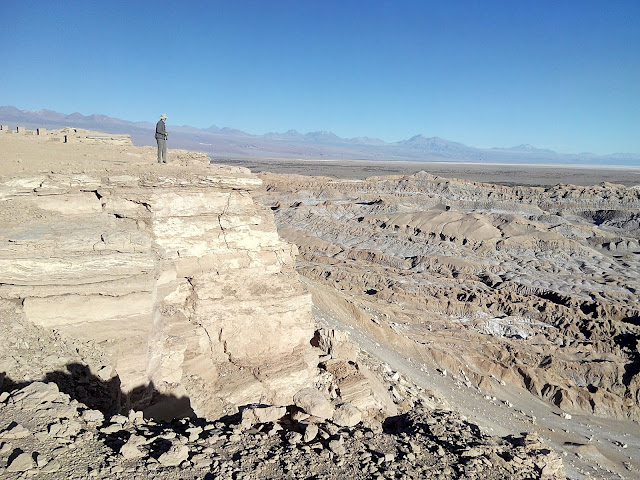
point(492, 173)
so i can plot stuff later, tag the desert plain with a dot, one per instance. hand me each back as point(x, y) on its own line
point(333, 319)
point(498, 173)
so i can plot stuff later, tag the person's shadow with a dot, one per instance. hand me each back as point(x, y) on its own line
point(107, 396)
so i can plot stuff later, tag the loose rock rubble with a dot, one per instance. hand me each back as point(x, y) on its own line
point(46, 434)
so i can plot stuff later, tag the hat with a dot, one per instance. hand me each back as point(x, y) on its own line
point(163, 116)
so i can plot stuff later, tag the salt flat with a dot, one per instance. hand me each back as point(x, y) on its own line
point(504, 174)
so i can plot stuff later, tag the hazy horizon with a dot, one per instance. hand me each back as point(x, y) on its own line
point(368, 137)
point(556, 75)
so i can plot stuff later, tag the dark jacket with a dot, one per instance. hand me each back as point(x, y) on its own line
point(161, 130)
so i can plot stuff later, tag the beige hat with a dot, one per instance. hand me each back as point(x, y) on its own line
point(163, 116)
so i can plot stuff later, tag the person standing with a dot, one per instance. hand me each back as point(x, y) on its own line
point(161, 138)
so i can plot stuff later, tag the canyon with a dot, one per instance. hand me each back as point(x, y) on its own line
point(528, 285)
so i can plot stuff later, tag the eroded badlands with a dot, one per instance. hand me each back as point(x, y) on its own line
point(504, 289)
point(533, 286)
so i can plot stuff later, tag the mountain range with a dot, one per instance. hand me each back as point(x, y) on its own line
point(220, 143)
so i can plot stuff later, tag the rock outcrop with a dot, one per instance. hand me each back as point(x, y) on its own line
point(177, 274)
point(70, 135)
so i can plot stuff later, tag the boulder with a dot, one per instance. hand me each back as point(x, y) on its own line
point(22, 463)
point(310, 433)
point(271, 414)
point(177, 454)
point(130, 449)
point(346, 415)
point(314, 403)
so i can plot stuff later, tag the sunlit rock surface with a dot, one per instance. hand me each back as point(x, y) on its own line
point(176, 272)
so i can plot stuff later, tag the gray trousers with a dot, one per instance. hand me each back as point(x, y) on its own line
point(162, 150)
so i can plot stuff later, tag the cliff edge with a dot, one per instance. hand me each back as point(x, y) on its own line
point(175, 273)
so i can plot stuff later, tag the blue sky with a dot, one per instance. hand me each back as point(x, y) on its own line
point(556, 74)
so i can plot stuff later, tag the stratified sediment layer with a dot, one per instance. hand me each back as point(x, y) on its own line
point(175, 272)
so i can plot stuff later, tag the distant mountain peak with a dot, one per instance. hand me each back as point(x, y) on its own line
point(416, 138)
point(525, 147)
point(432, 144)
point(323, 136)
point(423, 139)
point(322, 133)
point(367, 141)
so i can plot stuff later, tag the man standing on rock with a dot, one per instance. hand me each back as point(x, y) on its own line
point(161, 138)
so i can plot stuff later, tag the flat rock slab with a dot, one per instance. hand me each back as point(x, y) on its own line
point(346, 415)
point(22, 463)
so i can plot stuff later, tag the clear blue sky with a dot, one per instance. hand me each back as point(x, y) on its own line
point(556, 74)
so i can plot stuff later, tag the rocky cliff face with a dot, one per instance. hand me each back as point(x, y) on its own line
point(179, 276)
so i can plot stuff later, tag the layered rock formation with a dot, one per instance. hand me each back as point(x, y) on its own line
point(166, 288)
point(536, 287)
point(177, 274)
